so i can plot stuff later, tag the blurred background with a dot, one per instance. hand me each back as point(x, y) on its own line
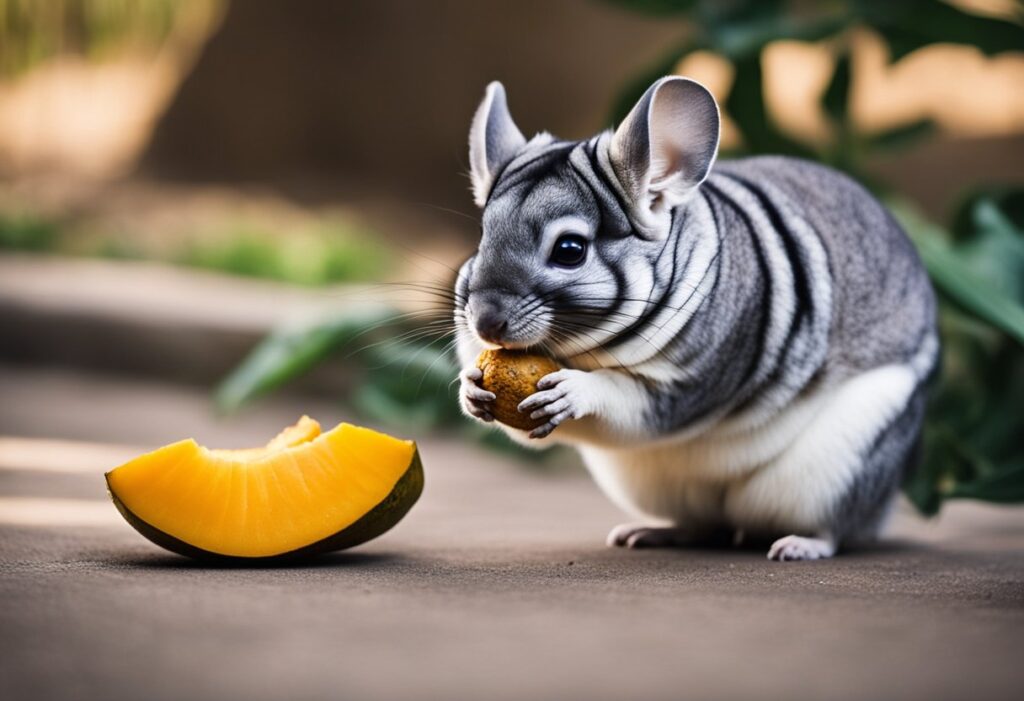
point(217, 216)
point(213, 213)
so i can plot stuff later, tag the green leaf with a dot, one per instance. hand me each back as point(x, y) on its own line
point(901, 136)
point(27, 232)
point(974, 420)
point(924, 485)
point(908, 25)
point(743, 28)
point(410, 383)
point(746, 106)
point(376, 402)
point(290, 352)
point(969, 289)
point(991, 242)
point(424, 361)
point(660, 8)
point(1009, 214)
point(836, 98)
point(1006, 487)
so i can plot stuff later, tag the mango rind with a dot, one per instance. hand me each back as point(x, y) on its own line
point(377, 521)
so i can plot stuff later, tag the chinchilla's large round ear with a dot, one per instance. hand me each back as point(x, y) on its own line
point(494, 140)
point(664, 149)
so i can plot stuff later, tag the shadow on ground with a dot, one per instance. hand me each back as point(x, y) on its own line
point(158, 561)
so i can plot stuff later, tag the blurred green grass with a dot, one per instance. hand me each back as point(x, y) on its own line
point(329, 251)
point(328, 254)
point(24, 231)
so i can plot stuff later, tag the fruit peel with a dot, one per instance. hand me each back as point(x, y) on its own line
point(301, 494)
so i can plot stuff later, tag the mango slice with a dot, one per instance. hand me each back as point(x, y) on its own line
point(304, 492)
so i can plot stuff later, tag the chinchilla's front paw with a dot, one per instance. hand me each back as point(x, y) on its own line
point(562, 395)
point(476, 401)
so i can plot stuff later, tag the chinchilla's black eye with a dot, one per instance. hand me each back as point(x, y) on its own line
point(570, 250)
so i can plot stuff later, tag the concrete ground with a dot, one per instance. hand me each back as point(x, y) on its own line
point(497, 586)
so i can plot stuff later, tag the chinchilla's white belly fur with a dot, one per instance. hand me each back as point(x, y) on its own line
point(784, 474)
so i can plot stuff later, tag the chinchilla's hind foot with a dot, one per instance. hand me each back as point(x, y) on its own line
point(639, 535)
point(794, 547)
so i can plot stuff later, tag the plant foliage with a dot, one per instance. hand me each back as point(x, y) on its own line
point(403, 373)
point(974, 436)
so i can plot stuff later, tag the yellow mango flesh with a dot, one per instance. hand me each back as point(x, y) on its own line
point(300, 488)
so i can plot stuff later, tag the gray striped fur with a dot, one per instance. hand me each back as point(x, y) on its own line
point(767, 285)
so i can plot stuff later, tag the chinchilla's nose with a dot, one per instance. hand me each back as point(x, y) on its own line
point(489, 320)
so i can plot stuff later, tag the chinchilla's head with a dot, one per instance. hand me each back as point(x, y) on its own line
point(572, 231)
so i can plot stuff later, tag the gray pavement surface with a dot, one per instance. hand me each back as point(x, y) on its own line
point(496, 586)
point(154, 320)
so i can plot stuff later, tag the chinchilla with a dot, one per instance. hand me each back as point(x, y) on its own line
point(745, 344)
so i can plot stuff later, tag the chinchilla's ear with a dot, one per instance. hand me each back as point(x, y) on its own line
point(494, 140)
point(664, 149)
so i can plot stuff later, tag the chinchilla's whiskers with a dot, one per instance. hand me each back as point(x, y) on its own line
point(619, 365)
point(441, 355)
point(566, 337)
point(446, 289)
point(532, 303)
point(536, 328)
point(414, 357)
point(585, 329)
point(583, 326)
point(604, 314)
point(415, 314)
point(577, 349)
point(438, 311)
point(461, 327)
point(696, 288)
point(412, 254)
point(573, 331)
point(391, 321)
point(440, 321)
point(436, 330)
point(412, 315)
point(562, 338)
point(648, 302)
point(575, 337)
point(448, 210)
point(436, 299)
point(437, 292)
point(440, 324)
point(417, 258)
point(372, 292)
point(646, 334)
point(461, 321)
point(569, 338)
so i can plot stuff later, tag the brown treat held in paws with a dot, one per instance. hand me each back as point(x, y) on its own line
point(512, 376)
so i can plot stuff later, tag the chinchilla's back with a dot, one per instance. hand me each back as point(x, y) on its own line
point(883, 307)
point(745, 344)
